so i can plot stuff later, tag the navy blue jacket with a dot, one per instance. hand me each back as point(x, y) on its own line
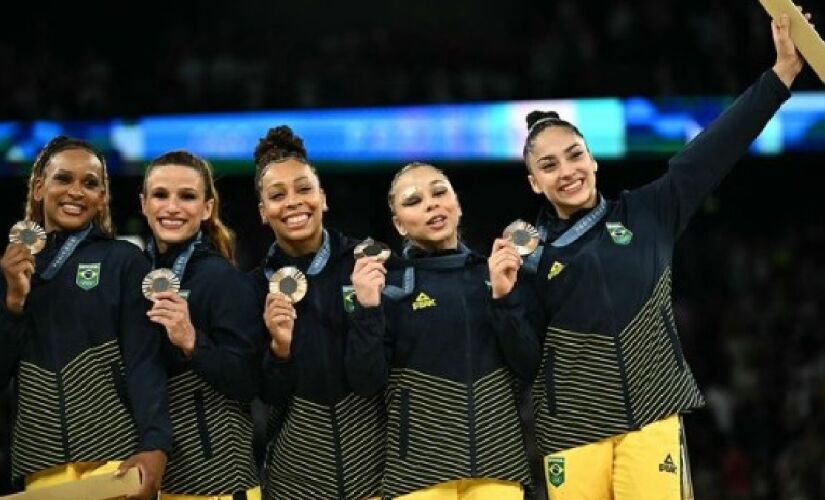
point(451, 395)
point(330, 441)
point(90, 383)
point(611, 359)
point(209, 394)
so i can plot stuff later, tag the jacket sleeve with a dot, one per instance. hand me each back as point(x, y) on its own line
point(278, 380)
point(368, 349)
point(11, 337)
point(141, 350)
point(226, 354)
point(519, 324)
point(698, 169)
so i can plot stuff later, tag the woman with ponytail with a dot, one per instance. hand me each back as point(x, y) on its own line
point(90, 387)
point(330, 441)
point(613, 381)
point(215, 334)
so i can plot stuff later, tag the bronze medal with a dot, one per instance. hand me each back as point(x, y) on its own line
point(523, 236)
point(289, 281)
point(371, 248)
point(30, 234)
point(160, 280)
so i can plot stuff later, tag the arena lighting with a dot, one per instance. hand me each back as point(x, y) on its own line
point(373, 137)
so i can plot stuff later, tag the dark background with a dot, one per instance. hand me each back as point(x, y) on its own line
point(749, 280)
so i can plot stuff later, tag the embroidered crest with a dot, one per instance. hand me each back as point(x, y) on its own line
point(620, 234)
point(555, 471)
point(88, 275)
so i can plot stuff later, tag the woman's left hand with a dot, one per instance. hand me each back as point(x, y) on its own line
point(789, 61)
point(171, 311)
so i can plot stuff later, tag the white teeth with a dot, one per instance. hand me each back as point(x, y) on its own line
point(573, 186)
point(72, 209)
point(171, 224)
point(296, 220)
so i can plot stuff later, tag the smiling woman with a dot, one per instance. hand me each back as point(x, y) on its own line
point(214, 330)
point(73, 318)
point(315, 453)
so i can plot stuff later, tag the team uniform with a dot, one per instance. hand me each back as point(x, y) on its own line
point(210, 393)
point(453, 424)
point(90, 383)
point(328, 442)
point(612, 378)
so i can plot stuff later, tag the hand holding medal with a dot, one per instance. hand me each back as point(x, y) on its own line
point(518, 240)
point(26, 238)
point(369, 275)
point(169, 309)
point(287, 286)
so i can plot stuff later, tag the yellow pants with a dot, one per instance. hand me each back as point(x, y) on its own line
point(469, 489)
point(252, 494)
point(641, 465)
point(66, 473)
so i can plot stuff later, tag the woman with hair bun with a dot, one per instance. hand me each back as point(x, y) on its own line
point(330, 441)
point(613, 382)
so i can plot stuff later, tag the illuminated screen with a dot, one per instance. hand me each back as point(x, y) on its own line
point(372, 137)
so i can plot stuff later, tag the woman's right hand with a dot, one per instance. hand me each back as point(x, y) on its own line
point(368, 278)
point(279, 316)
point(503, 264)
point(18, 266)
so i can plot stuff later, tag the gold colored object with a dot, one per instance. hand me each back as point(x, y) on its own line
point(160, 280)
point(104, 485)
point(804, 36)
point(289, 281)
point(523, 236)
point(30, 234)
point(371, 248)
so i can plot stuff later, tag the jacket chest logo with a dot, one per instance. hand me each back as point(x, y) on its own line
point(88, 275)
point(555, 270)
point(423, 300)
point(620, 234)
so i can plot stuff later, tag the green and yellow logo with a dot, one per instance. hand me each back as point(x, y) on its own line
point(88, 275)
point(423, 300)
point(348, 294)
point(555, 470)
point(620, 234)
point(555, 269)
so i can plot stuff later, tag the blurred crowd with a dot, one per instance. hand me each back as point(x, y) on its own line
point(268, 55)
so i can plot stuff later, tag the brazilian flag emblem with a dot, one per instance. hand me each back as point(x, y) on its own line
point(88, 275)
point(348, 294)
point(555, 471)
point(620, 234)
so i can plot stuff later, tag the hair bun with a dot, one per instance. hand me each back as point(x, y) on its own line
point(535, 116)
point(280, 141)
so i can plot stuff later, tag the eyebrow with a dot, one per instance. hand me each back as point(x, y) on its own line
point(566, 150)
point(294, 181)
